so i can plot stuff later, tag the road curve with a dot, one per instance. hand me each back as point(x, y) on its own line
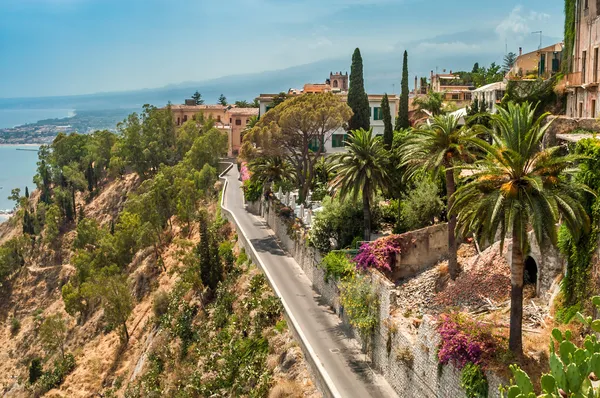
point(337, 356)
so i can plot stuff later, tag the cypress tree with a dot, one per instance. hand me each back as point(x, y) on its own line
point(402, 121)
point(388, 131)
point(27, 192)
point(357, 97)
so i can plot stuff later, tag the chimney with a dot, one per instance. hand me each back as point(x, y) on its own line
point(520, 51)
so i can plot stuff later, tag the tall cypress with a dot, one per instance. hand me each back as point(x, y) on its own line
point(357, 97)
point(27, 192)
point(388, 130)
point(402, 121)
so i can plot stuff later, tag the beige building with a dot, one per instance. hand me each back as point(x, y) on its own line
point(230, 119)
point(582, 80)
point(544, 63)
point(455, 90)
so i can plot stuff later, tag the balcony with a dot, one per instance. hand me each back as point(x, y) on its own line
point(574, 79)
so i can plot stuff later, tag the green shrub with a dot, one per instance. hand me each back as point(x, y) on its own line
point(420, 206)
point(337, 266)
point(252, 190)
point(35, 370)
point(160, 304)
point(15, 326)
point(281, 326)
point(54, 377)
point(242, 257)
point(226, 253)
point(566, 314)
point(389, 212)
point(473, 380)
point(360, 303)
point(339, 222)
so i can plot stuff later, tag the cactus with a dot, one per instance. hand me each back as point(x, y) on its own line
point(572, 368)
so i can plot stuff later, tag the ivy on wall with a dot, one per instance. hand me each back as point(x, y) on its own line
point(579, 251)
point(570, 11)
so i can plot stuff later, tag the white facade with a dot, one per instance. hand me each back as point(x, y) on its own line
point(334, 142)
point(491, 94)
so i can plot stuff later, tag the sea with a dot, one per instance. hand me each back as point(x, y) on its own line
point(16, 117)
point(17, 168)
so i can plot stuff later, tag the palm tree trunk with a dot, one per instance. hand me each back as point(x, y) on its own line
point(515, 341)
point(452, 249)
point(367, 215)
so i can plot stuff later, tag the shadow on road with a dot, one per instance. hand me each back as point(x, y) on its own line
point(267, 245)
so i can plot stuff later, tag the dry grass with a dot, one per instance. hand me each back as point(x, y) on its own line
point(286, 389)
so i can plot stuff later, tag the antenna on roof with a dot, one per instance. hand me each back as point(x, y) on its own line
point(540, 33)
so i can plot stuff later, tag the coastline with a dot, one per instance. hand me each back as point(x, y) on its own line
point(30, 144)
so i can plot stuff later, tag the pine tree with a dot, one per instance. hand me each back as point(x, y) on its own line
point(388, 131)
point(357, 97)
point(222, 100)
point(402, 121)
point(197, 97)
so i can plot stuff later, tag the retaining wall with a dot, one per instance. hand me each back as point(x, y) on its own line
point(421, 377)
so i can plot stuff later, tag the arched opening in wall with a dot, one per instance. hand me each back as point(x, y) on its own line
point(531, 273)
point(335, 84)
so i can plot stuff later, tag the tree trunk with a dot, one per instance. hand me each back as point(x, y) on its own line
point(515, 342)
point(450, 189)
point(125, 333)
point(367, 215)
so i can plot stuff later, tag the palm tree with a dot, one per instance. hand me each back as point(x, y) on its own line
point(273, 169)
point(433, 102)
point(436, 147)
point(518, 187)
point(361, 169)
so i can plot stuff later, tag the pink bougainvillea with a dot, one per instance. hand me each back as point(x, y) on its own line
point(379, 254)
point(465, 340)
point(244, 172)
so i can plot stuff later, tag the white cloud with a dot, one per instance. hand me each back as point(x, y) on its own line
point(519, 22)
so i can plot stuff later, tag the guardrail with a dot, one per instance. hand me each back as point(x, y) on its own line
point(324, 381)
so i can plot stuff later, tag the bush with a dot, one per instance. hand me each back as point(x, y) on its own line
point(160, 304)
point(242, 257)
point(380, 254)
point(252, 190)
point(226, 253)
point(465, 341)
point(360, 303)
point(473, 380)
point(389, 212)
point(35, 370)
point(54, 378)
point(420, 206)
point(337, 265)
point(15, 326)
point(339, 222)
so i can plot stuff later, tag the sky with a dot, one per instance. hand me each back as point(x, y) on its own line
point(69, 47)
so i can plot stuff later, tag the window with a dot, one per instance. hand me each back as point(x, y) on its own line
point(586, 5)
point(583, 66)
point(335, 84)
point(377, 113)
point(542, 66)
point(247, 121)
point(218, 118)
point(468, 96)
point(593, 113)
point(230, 120)
point(238, 122)
point(184, 118)
point(455, 97)
point(337, 140)
point(596, 65)
point(178, 121)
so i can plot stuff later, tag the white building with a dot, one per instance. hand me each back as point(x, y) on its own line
point(337, 138)
point(491, 94)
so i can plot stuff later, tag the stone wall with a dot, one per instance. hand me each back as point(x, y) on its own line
point(566, 125)
point(391, 342)
point(421, 249)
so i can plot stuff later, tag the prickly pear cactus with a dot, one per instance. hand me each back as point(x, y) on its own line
point(573, 369)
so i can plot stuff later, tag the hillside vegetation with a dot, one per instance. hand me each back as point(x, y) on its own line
point(120, 278)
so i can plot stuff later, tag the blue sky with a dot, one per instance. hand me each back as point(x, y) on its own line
point(64, 47)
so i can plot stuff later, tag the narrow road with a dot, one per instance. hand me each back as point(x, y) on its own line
point(339, 355)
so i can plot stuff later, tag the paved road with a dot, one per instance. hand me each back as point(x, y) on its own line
point(340, 356)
